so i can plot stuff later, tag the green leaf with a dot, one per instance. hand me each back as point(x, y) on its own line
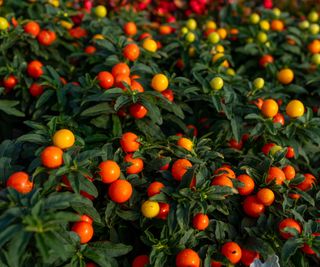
point(290, 247)
point(8, 107)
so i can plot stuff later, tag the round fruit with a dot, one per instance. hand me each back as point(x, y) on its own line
point(120, 191)
point(130, 28)
point(315, 59)
point(140, 261)
point(267, 147)
point(164, 211)
point(105, 79)
point(285, 76)
point(277, 25)
point(150, 45)
point(200, 221)
point(253, 207)
point(265, 196)
point(248, 256)
point(276, 174)
point(225, 171)
point(20, 182)
point(84, 231)
point(307, 183)
point(288, 223)
point(216, 83)
point(265, 60)
point(279, 118)
point(86, 218)
point(159, 82)
point(4, 24)
point(109, 171)
point(154, 188)
point(131, 52)
point(258, 83)
point(150, 209)
point(10, 82)
point(168, 94)
point(136, 164)
point(269, 108)
point(248, 186)
point(51, 157)
point(314, 28)
point(232, 252)
point(289, 172)
point(313, 16)
point(190, 37)
point(138, 111)
point(254, 18)
point(122, 81)
point(222, 181)
point(262, 37)
point(185, 143)
point(63, 139)
point(179, 168)
point(32, 28)
point(120, 68)
point(264, 25)
point(290, 152)
point(275, 149)
point(295, 109)
point(187, 258)
point(214, 38)
point(129, 142)
point(100, 11)
point(314, 47)
point(35, 89)
point(34, 69)
point(191, 24)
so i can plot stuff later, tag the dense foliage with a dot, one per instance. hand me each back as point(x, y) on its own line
point(131, 138)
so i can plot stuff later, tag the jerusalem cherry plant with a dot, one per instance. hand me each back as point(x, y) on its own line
point(157, 133)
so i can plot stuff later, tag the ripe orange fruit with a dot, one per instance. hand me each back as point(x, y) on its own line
point(10, 82)
point(232, 251)
point(20, 182)
point(86, 218)
point(32, 28)
point(314, 47)
point(140, 261)
point(164, 211)
point(84, 231)
point(35, 89)
point(120, 191)
point(222, 181)
point(129, 142)
point(105, 79)
point(295, 109)
point(253, 207)
point(136, 164)
point(277, 25)
point(278, 118)
point(269, 108)
point(138, 111)
point(179, 168)
point(290, 223)
point(289, 172)
point(248, 256)
point(200, 221)
point(109, 171)
point(90, 49)
point(187, 258)
point(225, 171)
point(248, 185)
point(46, 37)
point(136, 86)
point(307, 183)
point(159, 82)
point(51, 157)
point(233, 143)
point(267, 147)
point(265, 60)
point(63, 139)
point(265, 196)
point(276, 174)
point(290, 152)
point(34, 69)
point(154, 188)
point(122, 80)
point(131, 52)
point(168, 94)
point(120, 68)
point(165, 29)
point(185, 143)
point(285, 76)
point(130, 28)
